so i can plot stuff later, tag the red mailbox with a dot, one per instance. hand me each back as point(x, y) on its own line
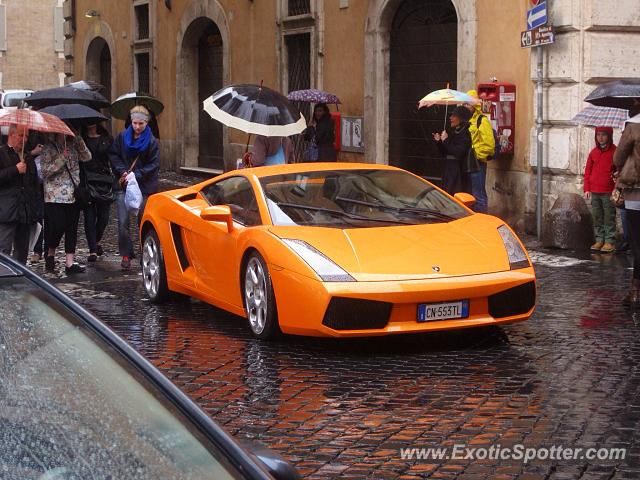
point(499, 104)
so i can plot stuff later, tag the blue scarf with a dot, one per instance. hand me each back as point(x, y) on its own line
point(135, 147)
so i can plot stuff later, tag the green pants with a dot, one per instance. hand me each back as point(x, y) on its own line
point(604, 217)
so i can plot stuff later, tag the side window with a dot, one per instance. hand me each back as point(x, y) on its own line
point(238, 193)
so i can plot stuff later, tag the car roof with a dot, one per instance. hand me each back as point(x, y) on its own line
point(198, 418)
point(267, 171)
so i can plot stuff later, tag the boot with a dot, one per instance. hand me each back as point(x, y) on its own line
point(632, 298)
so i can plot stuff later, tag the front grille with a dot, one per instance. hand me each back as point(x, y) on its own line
point(514, 301)
point(356, 314)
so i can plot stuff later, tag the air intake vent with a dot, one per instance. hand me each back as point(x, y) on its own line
point(356, 314)
point(514, 301)
point(187, 197)
point(176, 234)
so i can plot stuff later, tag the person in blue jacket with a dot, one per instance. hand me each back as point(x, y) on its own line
point(134, 150)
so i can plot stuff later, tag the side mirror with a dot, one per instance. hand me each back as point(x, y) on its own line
point(465, 198)
point(218, 213)
point(277, 466)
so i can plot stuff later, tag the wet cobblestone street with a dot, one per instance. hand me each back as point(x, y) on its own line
point(344, 408)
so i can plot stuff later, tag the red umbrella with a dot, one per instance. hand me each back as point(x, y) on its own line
point(32, 120)
point(39, 121)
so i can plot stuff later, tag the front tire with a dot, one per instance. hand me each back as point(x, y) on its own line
point(259, 299)
point(154, 274)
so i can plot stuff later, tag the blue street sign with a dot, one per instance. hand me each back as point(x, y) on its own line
point(537, 16)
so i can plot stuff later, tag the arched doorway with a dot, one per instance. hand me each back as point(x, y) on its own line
point(202, 55)
point(423, 58)
point(98, 64)
point(377, 48)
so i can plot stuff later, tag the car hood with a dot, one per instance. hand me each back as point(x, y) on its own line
point(468, 246)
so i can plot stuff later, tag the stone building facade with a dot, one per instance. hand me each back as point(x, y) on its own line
point(31, 44)
point(379, 56)
point(596, 41)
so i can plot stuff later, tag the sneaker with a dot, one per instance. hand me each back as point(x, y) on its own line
point(126, 263)
point(99, 250)
point(92, 257)
point(75, 268)
point(35, 257)
point(49, 263)
point(597, 246)
point(608, 248)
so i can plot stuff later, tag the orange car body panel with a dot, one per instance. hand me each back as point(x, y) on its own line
point(403, 265)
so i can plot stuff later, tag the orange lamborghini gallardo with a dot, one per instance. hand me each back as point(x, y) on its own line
point(335, 249)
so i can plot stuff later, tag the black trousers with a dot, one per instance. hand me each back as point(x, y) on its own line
point(633, 217)
point(14, 237)
point(61, 219)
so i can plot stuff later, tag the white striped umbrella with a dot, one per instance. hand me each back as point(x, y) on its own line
point(255, 109)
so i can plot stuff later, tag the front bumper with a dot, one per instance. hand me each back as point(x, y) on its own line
point(303, 302)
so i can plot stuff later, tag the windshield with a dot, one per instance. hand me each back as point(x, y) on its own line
point(14, 99)
point(69, 410)
point(356, 199)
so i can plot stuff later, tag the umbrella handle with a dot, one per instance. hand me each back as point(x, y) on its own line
point(444, 127)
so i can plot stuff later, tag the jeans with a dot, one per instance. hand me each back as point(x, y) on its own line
point(125, 245)
point(477, 181)
point(604, 217)
point(96, 219)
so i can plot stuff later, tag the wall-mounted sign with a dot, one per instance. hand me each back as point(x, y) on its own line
point(351, 134)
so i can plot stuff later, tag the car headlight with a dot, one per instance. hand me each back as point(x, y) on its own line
point(517, 255)
point(326, 269)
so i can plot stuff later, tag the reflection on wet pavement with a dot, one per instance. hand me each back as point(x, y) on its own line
point(344, 408)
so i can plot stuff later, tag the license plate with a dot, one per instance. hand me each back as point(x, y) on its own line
point(428, 312)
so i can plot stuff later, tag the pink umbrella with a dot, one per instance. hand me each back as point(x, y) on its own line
point(32, 120)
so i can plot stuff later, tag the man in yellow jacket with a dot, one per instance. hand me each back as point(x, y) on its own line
point(483, 145)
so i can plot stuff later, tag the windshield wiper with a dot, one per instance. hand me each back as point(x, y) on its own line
point(339, 212)
point(419, 211)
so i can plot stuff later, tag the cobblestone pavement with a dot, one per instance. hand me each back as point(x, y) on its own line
point(344, 409)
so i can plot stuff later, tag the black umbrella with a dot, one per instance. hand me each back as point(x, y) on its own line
point(64, 95)
point(122, 105)
point(616, 94)
point(76, 113)
point(255, 109)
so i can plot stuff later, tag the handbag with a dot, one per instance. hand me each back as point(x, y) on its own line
point(617, 197)
point(470, 162)
point(312, 153)
point(80, 191)
point(100, 186)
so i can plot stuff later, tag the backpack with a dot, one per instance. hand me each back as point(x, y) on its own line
point(496, 139)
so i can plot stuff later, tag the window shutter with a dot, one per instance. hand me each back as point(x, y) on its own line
point(58, 29)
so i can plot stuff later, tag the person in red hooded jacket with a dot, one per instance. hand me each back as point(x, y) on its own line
point(598, 185)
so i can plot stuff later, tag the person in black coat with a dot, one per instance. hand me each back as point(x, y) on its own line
point(321, 130)
point(99, 178)
point(454, 147)
point(18, 195)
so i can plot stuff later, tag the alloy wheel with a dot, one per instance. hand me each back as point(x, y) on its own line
point(256, 295)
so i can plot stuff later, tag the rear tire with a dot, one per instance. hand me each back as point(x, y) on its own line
point(259, 299)
point(154, 274)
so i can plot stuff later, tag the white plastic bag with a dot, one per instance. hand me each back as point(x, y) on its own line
point(133, 195)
